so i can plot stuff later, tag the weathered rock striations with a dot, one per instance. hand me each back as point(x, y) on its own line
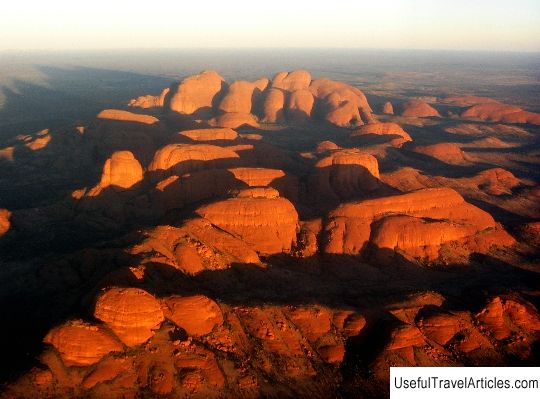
point(259, 217)
point(82, 344)
point(131, 313)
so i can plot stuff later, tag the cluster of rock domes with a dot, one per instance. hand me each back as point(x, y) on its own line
point(289, 96)
point(201, 209)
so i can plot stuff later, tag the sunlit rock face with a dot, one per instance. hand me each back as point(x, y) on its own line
point(259, 216)
point(196, 93)
point(418, 108)
point(131, 313)
point(416, 224)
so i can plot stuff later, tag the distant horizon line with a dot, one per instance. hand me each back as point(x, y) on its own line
point(135, 49)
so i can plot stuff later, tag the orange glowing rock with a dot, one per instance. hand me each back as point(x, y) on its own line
point(131, 313)
point(341, 104)
point(258, 216)
point(198, 314)
point(449, 153)
point(300, 105)
point(345, 174)
point(332, 353)
point(292, 81)
point(82, 344)
point(235, 120)
point(273, 106)
point(504, 316)
point(382, 128)
point(126, 116)
point(121, 171)
point(349, 226)
point(240, 95)
point(5, 223)
point(210, 134)
point(326, 145)
point(388, 108)
point(418, 108)
point(180, 159)
point(149, 101)
point(498, 112)
point(441, 327)
point(196, 93)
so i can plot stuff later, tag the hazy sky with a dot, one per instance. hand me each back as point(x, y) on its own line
point(416, 24)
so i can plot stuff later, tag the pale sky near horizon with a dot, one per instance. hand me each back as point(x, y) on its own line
point(494, 25)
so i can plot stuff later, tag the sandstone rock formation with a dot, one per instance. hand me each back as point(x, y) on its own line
point(82, 344)
point(235, 120)
point(241, 96)
point(120, 115)
point(131, 313)
point(5, 223)
point(340, 104)
point(419, 223)
point(292, 81)
point(382, 128)
point(197, 315)
point(180, 159)
point(419, 109)
point(449, 153)
point(300, 105)
point(210, 134)
point(196, 94)
point(344, 174)
point(388, 108)
point(467, 100)
point(121, 171)
point(273, 106)
point(505, 316)
point(149, 101)
point(499, 112)
point(259, 217)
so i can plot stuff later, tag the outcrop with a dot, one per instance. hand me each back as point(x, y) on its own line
point(5, 223)
point(121, 171)
point(126, 116)
point(419, 109)
point(197, 315)
point(131, 313)
point(82, 344)
point(210, 134)
point(196, 94)
point(300, 105)
point(343, 175)
point(292, 81)
point(382, 128)
point(258, 216)
point(339, 103)
point(241, 96)
point(179, 159)
point(388, 108)
point(415, 223)
point(449, 153)
point(149, 101)
point(499, 112)
point(235, 120)
point(273, 106)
